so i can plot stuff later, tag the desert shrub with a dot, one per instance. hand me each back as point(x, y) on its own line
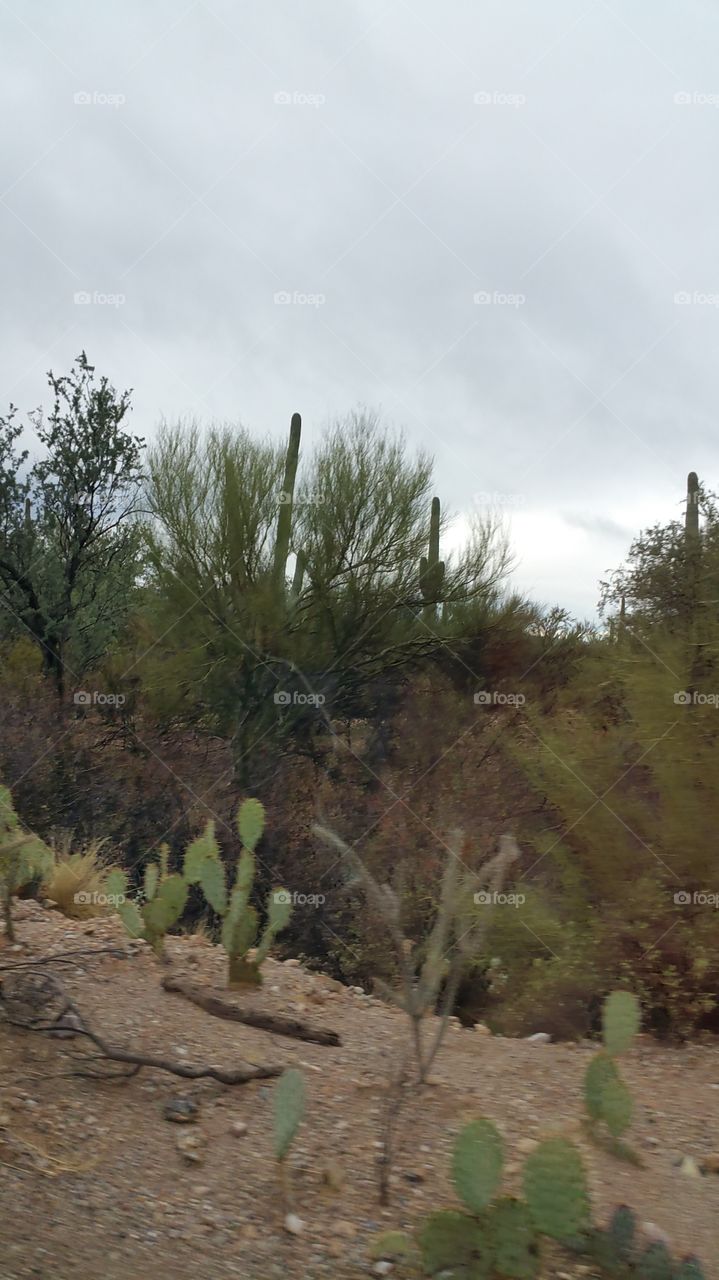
point(76, 883)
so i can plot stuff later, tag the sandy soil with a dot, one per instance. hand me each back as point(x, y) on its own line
point(93, 1184)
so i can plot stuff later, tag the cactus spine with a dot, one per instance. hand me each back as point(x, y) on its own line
point(431, 568)
point(284, 519)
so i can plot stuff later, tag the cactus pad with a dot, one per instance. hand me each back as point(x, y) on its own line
point(555, 1186)
point(477, 1164)
point(288, 1109)
point(620, 1021)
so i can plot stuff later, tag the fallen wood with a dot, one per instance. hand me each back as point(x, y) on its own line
point(223, 1007)
point(68, 1017)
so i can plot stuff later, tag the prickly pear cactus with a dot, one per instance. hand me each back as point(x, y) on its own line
point(477, 1164)
point(288, 1110)
point(514, 1241)
point(621, 1019)
point(454, 1244)
point(689, 1269)
point(655, 1264)
point(165, 899)
point(555, 1187)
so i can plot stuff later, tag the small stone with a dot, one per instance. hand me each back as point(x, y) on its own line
point(382, 1268)
point(710, 1163)
point(539, 1037)
point(525, 1145)
point(690, 1168)
point(412, 1176)
point(654, 1234)
point(292, 964)
point(333, 1176)
point(482, 1029)
point(347, 1229)
point(293, 1224)
point(181, 1110)
point(238, 1128)
point(191, 1146)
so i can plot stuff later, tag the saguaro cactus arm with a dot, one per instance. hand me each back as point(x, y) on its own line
point(284, 519)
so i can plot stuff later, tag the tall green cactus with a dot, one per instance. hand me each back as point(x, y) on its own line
point(163, 901)
point(240, 920)
point(284, 519)
point(431, 568)
point(691, 518)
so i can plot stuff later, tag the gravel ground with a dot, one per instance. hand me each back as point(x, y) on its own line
point(96, 1183)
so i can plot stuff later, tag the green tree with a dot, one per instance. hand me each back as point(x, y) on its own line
point(230, 634)
point(69, 537)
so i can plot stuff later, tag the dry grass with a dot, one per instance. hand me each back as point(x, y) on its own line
point(76, 884)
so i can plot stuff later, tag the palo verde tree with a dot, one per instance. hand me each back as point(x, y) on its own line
point(69, 538)
point(275, 564)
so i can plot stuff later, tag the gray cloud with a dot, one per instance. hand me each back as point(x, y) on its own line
point(379, 185)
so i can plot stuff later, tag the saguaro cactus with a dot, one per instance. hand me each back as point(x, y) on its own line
point(691, 518)
point(431, 568)
point(284, 519)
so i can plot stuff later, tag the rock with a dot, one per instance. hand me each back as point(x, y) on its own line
point(690, 1168)
point(525, 1145)
point(291, 964)
point(332, 1175)
point(654, 1234)
point(382, 1268)
point(347, 1229)
point(412, 1176)
point(238, 1128)
point(293, 1224)
point(181, 1110)
point(482, 1029)
point(539, 1037)
point(710, 1163)
point(191, 1146)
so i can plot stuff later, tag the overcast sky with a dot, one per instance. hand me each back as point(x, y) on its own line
point(495, 220)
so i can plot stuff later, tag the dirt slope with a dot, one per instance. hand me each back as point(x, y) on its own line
point(92, 1184)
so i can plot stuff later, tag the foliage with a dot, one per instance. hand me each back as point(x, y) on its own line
point(69, 540)
point(23, 858)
